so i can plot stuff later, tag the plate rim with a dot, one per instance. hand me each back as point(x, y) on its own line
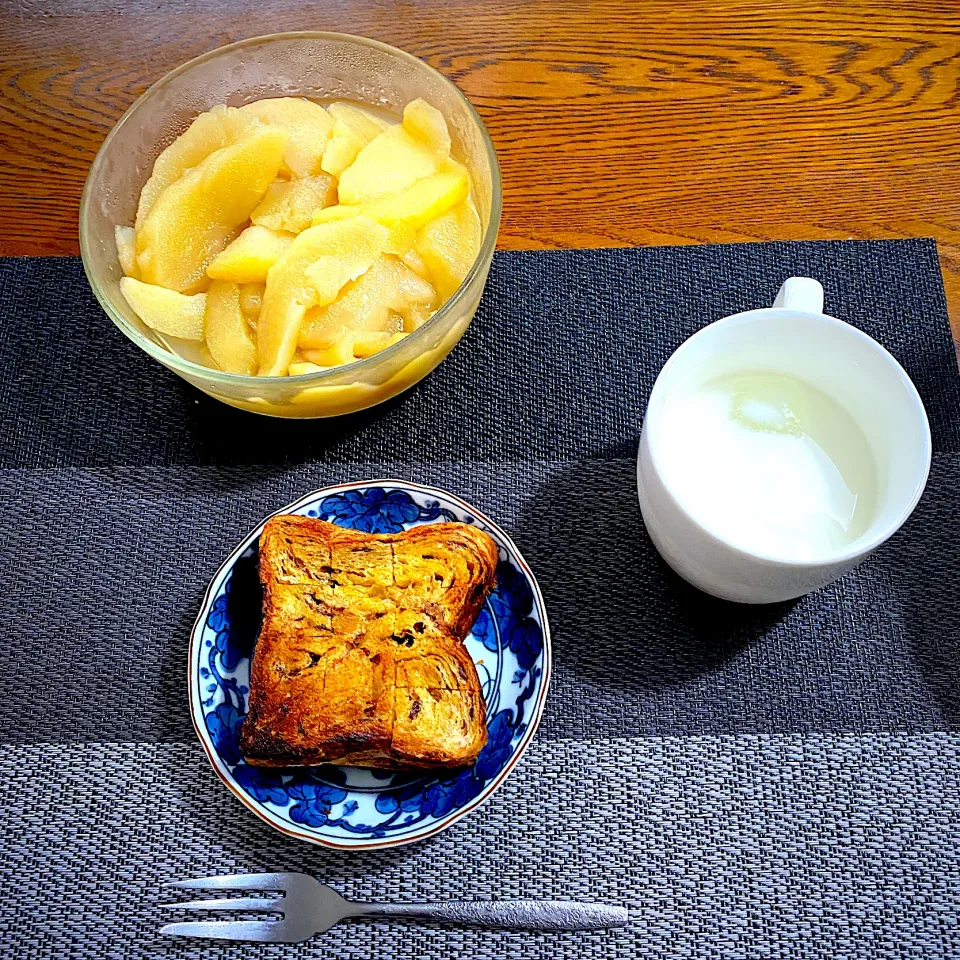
point(203, 735)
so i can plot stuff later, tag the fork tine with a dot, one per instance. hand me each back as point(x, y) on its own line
point(248, 904)
point(238, 881)
point(262, 931)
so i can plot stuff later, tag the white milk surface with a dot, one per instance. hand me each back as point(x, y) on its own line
point(768, 463)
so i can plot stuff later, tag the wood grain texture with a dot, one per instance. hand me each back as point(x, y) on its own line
point(653, 122)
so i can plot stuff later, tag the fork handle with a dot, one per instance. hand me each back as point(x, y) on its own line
point(507, 914)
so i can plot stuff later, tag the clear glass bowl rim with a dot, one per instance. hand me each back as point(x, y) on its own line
point(359, 367)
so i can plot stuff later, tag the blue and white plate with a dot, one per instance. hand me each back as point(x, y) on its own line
point(351, 808)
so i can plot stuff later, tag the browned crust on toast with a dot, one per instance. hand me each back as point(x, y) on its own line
point(360, 659)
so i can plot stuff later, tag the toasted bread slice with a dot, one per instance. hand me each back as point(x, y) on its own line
point(360, 659)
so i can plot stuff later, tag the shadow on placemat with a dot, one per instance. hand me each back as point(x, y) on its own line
point(617, 610)
point(220, 431)
point(636, 649)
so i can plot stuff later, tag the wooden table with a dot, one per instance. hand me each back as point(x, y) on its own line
point(617, 122)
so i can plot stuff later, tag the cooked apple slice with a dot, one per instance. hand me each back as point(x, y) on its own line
point(195, 218)
point(362, 122)
point(166, 311)
point(367, 344)
point(339, 211)
point(307, 124)
point(414, 207)
point(126, 239)
point(411, 290)
point(290, 205)
point(404, 213)
point(426, 200)
point(316, 266)
point(351, 347)
point(353, 129)
point(414, 261)
point(426, 124)
point(250, 256)
point(251, 299)
point(399, 241)
point(211, 131)
point(363, 306)
point(416, 315)
point(449, 245)
point(342, 148)
point(389, 163)
point(226, 330)
point(335, 356)
point(374, 303)
point(304, 366)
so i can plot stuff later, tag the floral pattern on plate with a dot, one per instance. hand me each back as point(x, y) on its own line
point(361, 808)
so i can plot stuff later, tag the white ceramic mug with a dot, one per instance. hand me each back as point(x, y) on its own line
point(794, 337)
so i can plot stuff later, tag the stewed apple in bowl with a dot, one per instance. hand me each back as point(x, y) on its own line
point(300, 225)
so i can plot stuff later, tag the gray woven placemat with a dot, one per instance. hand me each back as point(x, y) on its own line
point(782, 782)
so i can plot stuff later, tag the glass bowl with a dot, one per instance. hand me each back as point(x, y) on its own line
point(320, 66)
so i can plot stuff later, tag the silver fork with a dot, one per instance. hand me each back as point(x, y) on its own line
point(308, 907)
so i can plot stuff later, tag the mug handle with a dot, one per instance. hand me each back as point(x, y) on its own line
point(801, 293)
